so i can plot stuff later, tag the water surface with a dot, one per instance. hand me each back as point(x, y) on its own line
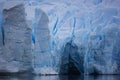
point(101, 77)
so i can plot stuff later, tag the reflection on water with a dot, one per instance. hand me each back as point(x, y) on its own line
point(102, 77)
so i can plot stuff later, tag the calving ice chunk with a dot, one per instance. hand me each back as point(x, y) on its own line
point(60, 37)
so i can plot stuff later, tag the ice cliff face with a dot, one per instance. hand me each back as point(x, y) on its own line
point(80, 36)
point(42, 56)
point(15, 41)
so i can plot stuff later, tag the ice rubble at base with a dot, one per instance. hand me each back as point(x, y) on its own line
point(80, 36)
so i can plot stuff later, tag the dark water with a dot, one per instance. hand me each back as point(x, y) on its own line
point(104, 77)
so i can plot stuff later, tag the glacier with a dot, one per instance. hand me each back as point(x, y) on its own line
point(60, 37)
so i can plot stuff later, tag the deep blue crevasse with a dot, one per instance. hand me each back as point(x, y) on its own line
point(2, 26)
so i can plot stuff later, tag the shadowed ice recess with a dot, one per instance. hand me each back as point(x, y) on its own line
point(60, 37)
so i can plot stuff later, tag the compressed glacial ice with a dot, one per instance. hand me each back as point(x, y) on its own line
point(15, 41)
point(61, 37)
point(42, 55)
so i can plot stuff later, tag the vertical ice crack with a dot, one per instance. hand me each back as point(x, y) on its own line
point(73, 30)
point(55, 27)
point(1, 23)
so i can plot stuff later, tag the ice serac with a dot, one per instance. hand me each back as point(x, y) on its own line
point(42, 55)
point(16, 55)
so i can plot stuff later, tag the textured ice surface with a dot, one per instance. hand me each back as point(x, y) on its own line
point(15, 41)
point(80, 36)
point(42, 55)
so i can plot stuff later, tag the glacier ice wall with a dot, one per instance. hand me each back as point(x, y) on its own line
point(84, 34)
point(80, 36)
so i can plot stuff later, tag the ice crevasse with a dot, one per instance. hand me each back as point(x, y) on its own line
point(60, 37)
